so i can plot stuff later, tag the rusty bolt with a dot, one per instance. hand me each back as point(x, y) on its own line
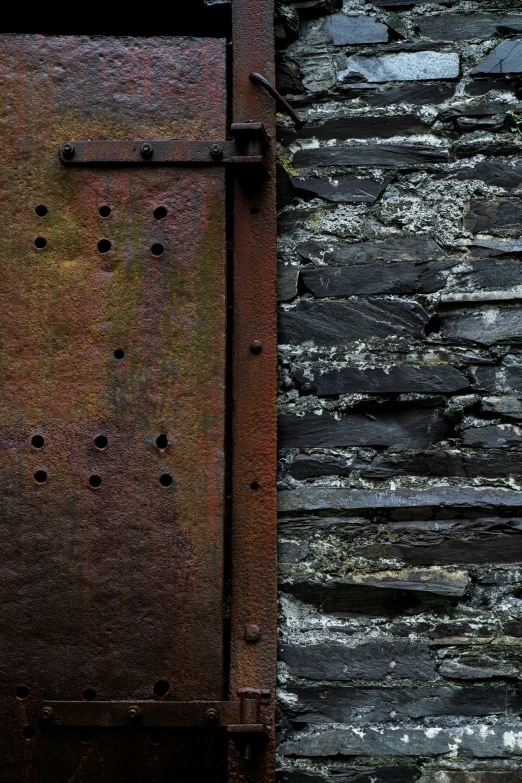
point(47, 713)
point(146, 150)
point(256, 347)
point(67, 150)
point(134, 712)
point(252, 633)
point(216, 151)
point(212, 715)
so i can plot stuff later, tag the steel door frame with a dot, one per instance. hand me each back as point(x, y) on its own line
point(254, 373)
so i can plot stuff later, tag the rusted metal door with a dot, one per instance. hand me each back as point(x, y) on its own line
point(115, 657)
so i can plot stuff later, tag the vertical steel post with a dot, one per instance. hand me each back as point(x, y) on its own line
point(254, 586)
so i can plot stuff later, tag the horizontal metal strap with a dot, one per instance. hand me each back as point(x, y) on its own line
point(182, 714)
point(172, 152)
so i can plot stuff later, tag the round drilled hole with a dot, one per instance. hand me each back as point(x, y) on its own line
point(85, 737)
point(160, 213)
point(166, 480)
point(157, 249)
point(89, 694)
point(162, 441)
point(37, 441)
point(22, 692)
point(40, 476)
point(40, 242)
point(155, 737)
point(95, 481)
point(119, 354)
point(104, 246)
point(101, 442)
point(104, 211)
point(254, 485)
point(28, 732)
point(161, 688)
point(254, 211)
point(41, 210)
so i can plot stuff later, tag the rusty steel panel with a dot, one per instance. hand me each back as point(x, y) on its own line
point(112, 349)
point(254, 588)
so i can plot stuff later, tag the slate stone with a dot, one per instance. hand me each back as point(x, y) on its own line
point(445, 550)
point(356, 601)
point(372, 155)
point(483, 86)
point(496, 123)
point(506, 405)
point(359, 127)
point(286, 281)
point(371, 660)
point(448, 776)
point(360, 29)
point(487, 146)
point(320, 704)
point(493, 214)
point(338, 323)
point(402, 3)
point(415, 427)
point(504, 378)
point(309, 498)
point(477, 667)
point(412, 278)
point(487, 327)
point(376, 380)
point(420, 580)
point(417, 94)
point(289, 78)
point(285, 191)
point(461, 27)
point(505, 58)
point(394, 774)
point(343, 188)
point(404, 66)
point(496, 247)
point(475, 741)
point(414, 248)
point(501, 175)
point(431, 463)
point(493, 436)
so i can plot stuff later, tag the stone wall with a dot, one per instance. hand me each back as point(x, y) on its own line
point(401, 392)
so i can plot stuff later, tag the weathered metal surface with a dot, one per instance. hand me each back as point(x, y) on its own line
point(283, 104)
point(254, 593)
point(161, 152)
point(111, 406)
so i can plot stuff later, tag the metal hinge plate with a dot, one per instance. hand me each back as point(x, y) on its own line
point(247, 148)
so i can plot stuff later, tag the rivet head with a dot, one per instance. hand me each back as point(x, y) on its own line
point(47, 713)
point(67, 150)
point(134, 712)
point(211, 715)
point(256, 347)
point(252, 633)
point(216, 151)
point(146, 150)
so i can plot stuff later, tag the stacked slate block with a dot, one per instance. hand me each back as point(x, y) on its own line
point(400, 428)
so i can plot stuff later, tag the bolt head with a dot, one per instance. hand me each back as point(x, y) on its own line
point(134, 712)
point(216, 151)
point(67, 150)
point(146, 150)
point(252, 633)
point(47, 713)
point(256, 347)
point(212, 715)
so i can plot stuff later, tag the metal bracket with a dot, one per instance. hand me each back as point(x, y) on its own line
point(238, 717)
point(246, 149)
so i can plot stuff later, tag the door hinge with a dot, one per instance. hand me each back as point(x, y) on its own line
point(247, 148)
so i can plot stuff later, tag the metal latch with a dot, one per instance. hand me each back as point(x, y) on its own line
point(247, 148)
